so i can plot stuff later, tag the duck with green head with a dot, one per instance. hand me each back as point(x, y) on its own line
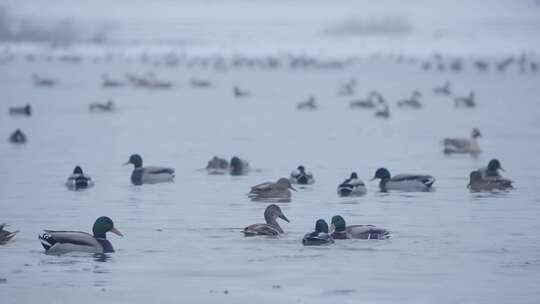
point(320, 236)
point(148, 175)
point(403, 182)
point(78, 180)
point(479, 183)
point(340, 231)
point(492, 169)
point(60, 242)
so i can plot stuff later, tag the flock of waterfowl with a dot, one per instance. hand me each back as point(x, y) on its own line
point(483, 179)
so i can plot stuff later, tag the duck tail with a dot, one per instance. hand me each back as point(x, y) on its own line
point(46, 241)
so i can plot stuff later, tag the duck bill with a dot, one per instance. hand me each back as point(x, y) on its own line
point(292, 188)
point(283, 217)
point(374, 178)
point(116, 231)
point(126, 163)
point(332, 228)
point(501, 168)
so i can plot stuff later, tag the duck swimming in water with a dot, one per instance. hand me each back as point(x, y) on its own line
point(492, 169)
point(217, 166)
point(60, 242)
point(320, 236)
point(78, 180)
point(403, 182)
point(26, 110)
point(5, 236)
point(148, 175)
point(301, 177)
point(17, 137)
point(465, 102)
point(443, 90)
point(412, 103)
point(352, 186)
point(478, 183)
point(309, 104)
point(238, 166)
point(238, 93)
point(279, 191)
point(271, 228)
point(101, 107)
point(463, 145)
point(340, 231)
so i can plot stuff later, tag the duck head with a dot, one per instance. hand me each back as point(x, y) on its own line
point(103, 225)
point(284, 183)
point(321, 226)
point(337, 224)
point(476, 133)
point(136, 160)
point(354, 175)
point(77, 170)
point(236, 165)
point(494, 165)
point(273, 212)
point(381, 173)
point(301, 169)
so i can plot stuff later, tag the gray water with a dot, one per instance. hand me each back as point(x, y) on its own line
point(183, 240)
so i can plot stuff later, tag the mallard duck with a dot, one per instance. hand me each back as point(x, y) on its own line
point(26, 110)
point(383, 110)
point(111, 83)
point(478, 183)
point(60, 242)
point(463, 145)
point(101, 107)
point(200, 83)
point(320, 236)
point(42, 82)
point(309, 104)
point(238, 93)
point(17, 137)
point(78, 180)
point(217, 166)
point(148, 175)
point(403, 182)
point(238, 166)
point(301, 177)
point(369, 103)
point(492, 169)
point(466, 102)
point(5, 236)
point(340, 231)
point(279, 190)
point(412, 103)
point(352, 186)
point(443, 90)
point(271, 213)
